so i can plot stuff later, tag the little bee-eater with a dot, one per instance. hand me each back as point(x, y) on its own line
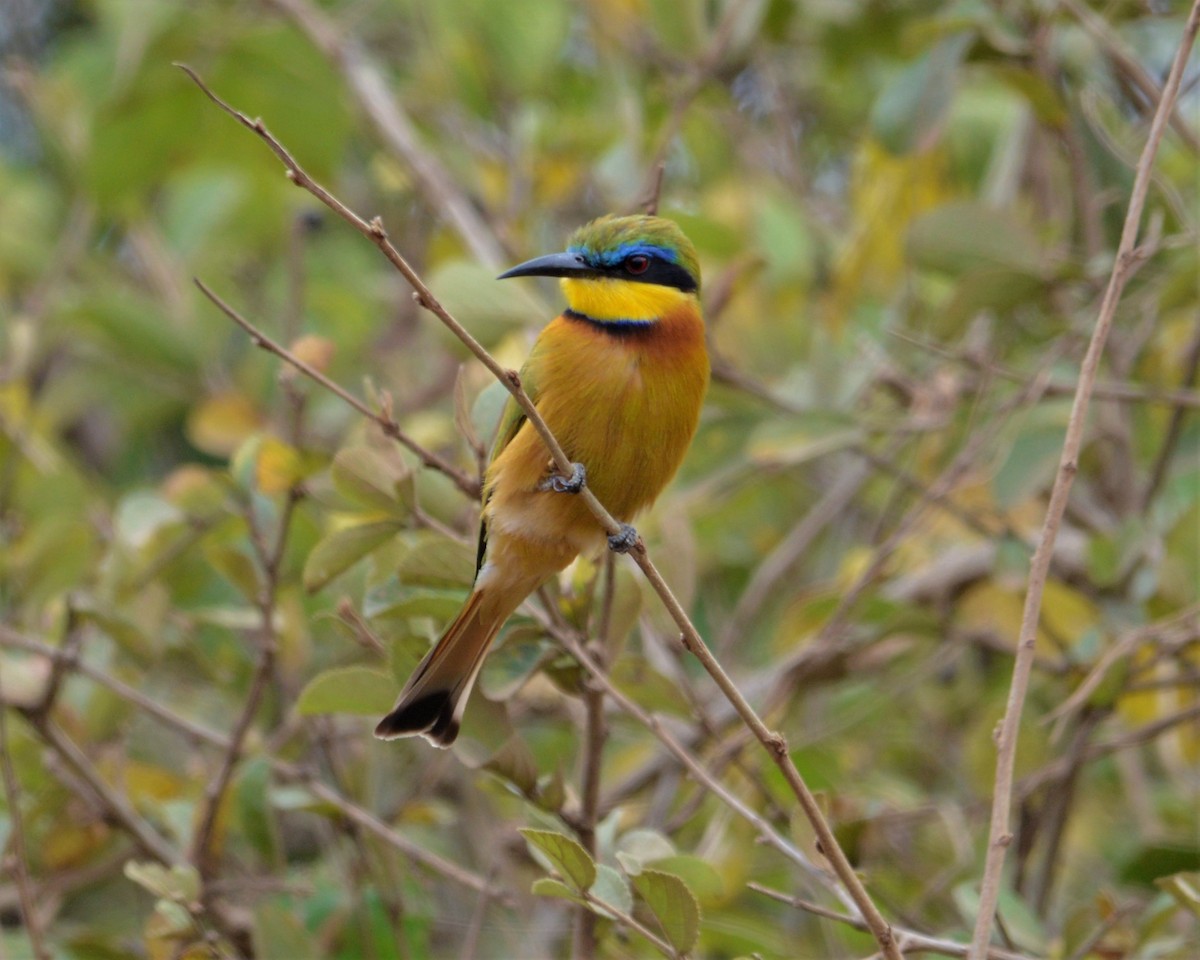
point(619, 378)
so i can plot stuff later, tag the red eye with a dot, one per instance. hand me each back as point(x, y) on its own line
point(636, 264)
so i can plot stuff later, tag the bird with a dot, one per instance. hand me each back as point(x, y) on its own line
point(619, 378)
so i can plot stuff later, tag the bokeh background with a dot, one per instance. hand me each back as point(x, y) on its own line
point(905, 214)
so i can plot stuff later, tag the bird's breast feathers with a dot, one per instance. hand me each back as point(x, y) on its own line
point(624, 400)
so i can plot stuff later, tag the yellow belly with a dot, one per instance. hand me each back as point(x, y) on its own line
point(625, 407)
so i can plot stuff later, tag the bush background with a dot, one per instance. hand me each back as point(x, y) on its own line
point(905, 215)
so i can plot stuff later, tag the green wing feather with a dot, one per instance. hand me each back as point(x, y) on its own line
point(512, 418)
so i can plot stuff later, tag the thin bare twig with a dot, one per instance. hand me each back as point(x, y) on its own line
point(634, 924)
point(595, 734)
point(1116, 390)
point(113, 801)
point(1128, 65)
point(773, 742)
point(198, 733)
point(1127, 259)
point(201, 853)
point(19, 856)
point(910, 940)
point(1123, 647)
point(386, 423)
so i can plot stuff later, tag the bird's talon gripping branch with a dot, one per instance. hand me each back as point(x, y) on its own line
point(572, 484)
point(624, 541)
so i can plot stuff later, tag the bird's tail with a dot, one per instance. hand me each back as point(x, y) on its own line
point(432, 702)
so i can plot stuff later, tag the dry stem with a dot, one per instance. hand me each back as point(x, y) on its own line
point(1127, 259)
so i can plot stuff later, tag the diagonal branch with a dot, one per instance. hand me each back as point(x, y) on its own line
point(20, 863)
point(1127, 259)
point(200, 734)
point(385, 421)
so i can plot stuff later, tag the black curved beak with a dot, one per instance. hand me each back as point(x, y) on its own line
point(552, 265)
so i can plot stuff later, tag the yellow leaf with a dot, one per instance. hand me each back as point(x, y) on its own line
point(72, 844)
point(144, 781)
point(279, 467)
point(1067, 612)
point(994, 609)
point(856, 560)
point(220, 424)
point(888, 192)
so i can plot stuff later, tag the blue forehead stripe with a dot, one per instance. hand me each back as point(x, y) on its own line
point(610, 258)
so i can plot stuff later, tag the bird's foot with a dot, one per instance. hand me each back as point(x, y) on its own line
point(624, 541)
point(560, 484)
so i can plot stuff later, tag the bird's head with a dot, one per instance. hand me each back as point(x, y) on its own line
point(622, 269)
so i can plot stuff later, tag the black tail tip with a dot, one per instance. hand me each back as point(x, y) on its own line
point(432, 717)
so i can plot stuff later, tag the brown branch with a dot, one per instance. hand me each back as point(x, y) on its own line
point(1128, 66)
point(200, 734)
point(112, 801)
point(910, 940)
point(1127, 258)
point(634, 924)
point(19, 861)
point(385, 421)
point(1102, 390)
point(269, 560)
point(775, 745)
point(1122, 648)
point(595, 734)
point(649, 203)
point(471, 939)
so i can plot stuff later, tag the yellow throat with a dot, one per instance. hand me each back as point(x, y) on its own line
point(608, 300)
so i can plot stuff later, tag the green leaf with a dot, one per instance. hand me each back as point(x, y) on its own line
point(236, 567)
point(673, 905)
point(648, 688)
point(254, 810)
point(549, 887)
point(358, 690)
point(912, 109)
point(612, 888)
point(395, 601)
point(1030, 465)
point(179, 884)
point(432, 559)
point(280, 935)
point(514, 762)
point(369, 478)
point(639, 847)
point(173, 918)
point(343, 548)
point(141, 515)
point(700, 876)
point(566, 855)
point(509, 668)
point(956, 238)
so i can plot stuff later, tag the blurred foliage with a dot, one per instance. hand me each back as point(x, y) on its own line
point(905, 213)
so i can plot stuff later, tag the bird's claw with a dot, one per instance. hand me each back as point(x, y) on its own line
point(624, 541)
point(572, 484)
